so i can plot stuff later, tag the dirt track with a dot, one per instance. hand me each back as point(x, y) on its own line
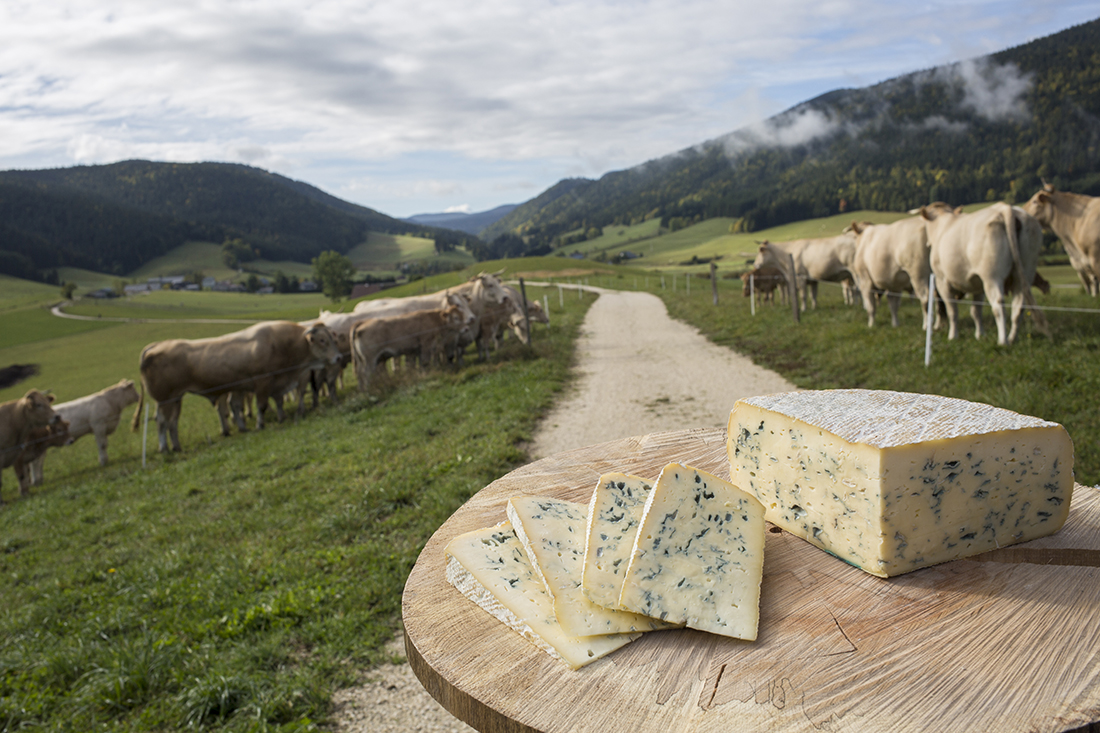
point(639, 372)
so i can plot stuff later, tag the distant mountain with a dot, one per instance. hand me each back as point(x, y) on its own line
point(985, 129)
point(463, 222)
point(114, 218)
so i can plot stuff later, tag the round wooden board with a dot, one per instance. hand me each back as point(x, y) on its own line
point(1007, 641)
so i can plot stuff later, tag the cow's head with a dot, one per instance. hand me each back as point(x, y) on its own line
point(127, 391)
point(492, 290)
point(37, 409)
point(460, 318)
point(935, 210)
point(1041, 205)
point(458, 300)
point(322, 343)
point(59, 434)
point(765, 255)
point(536, 313)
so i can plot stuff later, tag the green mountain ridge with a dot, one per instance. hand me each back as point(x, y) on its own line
point(990, 128)
point(115, 218)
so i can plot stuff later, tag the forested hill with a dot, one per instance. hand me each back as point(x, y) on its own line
point(980, 130)
point(113, 218)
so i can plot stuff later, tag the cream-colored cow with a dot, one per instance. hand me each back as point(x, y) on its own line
point(1075, 219)
point(985, 253)
point(892, 258)
point(829, 259)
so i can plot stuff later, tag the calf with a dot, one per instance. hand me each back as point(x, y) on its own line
point(424, 334)
point(18, 418)
point(98, 414)
point(29, 463)
point(764, 281)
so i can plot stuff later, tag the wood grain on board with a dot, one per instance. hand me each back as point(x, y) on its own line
point(1007, 641)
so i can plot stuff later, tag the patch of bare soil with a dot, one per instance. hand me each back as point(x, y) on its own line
point(639, 372)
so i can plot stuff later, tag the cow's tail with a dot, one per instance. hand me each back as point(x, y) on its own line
point(136, 421)
point(1023, 283)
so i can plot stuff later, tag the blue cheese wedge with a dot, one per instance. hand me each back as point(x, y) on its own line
point(698, 557)
point(490, 567)
point(892, 482)
point(552, 533)
point(613, 515)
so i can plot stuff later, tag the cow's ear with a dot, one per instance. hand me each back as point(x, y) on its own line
point(924, 213)
point(1044, 196)
point(958, 209)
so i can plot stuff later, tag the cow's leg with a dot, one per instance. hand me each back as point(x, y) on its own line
point(866, 296)
point(168, 419)
point(947, 297)
point(221, 406)
point(237, 409)
point(261, 409)
point(976, 303)
point(23, 474)
point(100, 432)
point(1017, 307)
point(893, 300)
point(995, 296)
point(813, 292)
point(38, 470)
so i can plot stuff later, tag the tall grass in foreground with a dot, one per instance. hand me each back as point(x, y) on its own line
point(1056, 379)
point(237, 585)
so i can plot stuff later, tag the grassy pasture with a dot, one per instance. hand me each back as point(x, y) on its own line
point(384, 252)
point(175, 304)
point(237, 585)
point(832, 347)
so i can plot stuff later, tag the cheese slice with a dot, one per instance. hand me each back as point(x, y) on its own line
point(892, 482)
point(552, 533)
point(490, 567)
point(613, 516)
point(698, 557)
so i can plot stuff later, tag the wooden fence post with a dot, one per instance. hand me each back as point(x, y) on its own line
point(714, 281)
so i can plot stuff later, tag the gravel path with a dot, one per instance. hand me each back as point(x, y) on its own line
point(639, 372)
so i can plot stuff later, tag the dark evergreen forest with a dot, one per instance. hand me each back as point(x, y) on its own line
point(988, 129)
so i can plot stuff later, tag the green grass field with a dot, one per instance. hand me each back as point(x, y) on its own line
point(237, 585)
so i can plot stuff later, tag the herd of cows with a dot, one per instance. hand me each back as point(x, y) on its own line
point(267, 361)
point(985, 254)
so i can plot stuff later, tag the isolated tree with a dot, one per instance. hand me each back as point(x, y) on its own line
point(282, 282)
point(67, 290)
point(333, 271)
point(236, 251)
point(252, 282)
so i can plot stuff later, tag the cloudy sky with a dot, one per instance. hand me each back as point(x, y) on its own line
point(416, 106)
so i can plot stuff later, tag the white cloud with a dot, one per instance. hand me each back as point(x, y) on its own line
point(572, 87)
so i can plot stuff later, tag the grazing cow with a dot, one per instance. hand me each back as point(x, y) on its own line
point(827, 259)
point(480, 291)
point(29, 463)
point(18, 418)
point(893, 258)
point(268, 359)
point(764, 282)
point(985, 253)
point(423, 333)
point(98, 414)
point(1075, 219)
point(495, 317)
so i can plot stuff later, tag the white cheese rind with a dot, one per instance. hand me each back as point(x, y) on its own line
point(893, 482)
point(613, 515)
point(490, 567)
point(698, 557)
point(552, 533)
